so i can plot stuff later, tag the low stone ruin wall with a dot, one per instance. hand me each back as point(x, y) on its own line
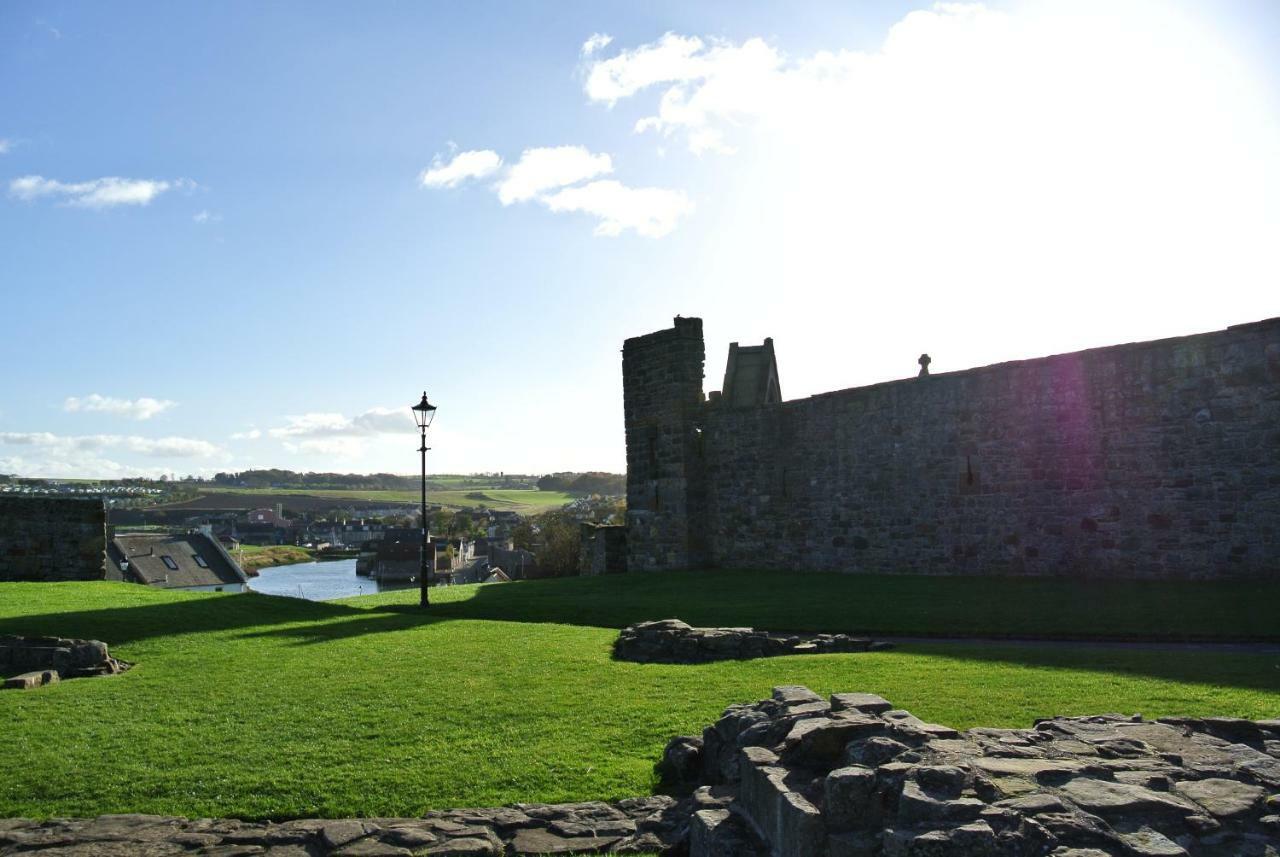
point(44, 660)
point(649, 825)
point(798, 775)
point(670, 641)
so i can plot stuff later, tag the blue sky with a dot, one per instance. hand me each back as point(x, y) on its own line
point(249, 234)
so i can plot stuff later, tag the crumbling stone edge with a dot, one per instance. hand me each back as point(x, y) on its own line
point(671, 641)
point(31, 662)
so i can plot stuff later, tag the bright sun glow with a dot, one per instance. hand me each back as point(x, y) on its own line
point(987, 185)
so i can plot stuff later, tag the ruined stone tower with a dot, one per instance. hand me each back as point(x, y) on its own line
point(666, 490)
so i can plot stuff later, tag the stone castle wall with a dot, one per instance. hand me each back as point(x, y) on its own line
point(52, 538)
point(662, 400)
point(1154, 459)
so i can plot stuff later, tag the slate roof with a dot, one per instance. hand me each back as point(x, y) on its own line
point(173, 561)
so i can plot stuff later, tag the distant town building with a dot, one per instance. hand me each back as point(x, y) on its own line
point(192, 561)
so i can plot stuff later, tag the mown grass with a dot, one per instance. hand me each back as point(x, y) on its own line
point(256, 706)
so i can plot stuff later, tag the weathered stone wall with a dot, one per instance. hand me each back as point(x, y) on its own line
point(1154, 459)
point(662, 398)
point(52, 538)
point(603, 549)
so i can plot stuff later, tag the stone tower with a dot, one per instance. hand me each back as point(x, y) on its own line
point(666, 488)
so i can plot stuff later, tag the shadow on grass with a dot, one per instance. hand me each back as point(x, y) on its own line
point(1208, 666)
point(875, 605)
point(134, 623)
point(892, 605)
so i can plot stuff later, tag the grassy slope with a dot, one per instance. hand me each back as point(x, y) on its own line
point(502, 499)
point(258, 706)
point(256, 557)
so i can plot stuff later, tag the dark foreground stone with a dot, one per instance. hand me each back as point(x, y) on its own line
point(640, 825)
point(850, 776)
point(670, 641)
point(28, 656)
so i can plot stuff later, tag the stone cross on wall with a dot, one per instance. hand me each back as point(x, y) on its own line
point(924, 362)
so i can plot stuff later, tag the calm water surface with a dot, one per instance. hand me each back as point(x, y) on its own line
point(318, 581)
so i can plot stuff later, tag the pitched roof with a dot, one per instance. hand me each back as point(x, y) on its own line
point(174, 561)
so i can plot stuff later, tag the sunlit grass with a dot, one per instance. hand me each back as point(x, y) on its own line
point(257, 706)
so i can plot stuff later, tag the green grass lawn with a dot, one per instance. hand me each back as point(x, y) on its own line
point(256, 706)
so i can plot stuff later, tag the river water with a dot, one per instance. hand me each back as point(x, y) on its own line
point(318, 581)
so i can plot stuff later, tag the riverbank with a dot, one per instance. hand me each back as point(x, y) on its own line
point(254, 558)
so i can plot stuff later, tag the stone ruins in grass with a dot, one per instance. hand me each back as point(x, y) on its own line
point(30, 662)
point(670, 641)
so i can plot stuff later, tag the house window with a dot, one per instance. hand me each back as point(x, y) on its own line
point(199, 560)
point(169, 562)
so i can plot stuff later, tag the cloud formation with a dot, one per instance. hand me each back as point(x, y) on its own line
point(6, 145)
point(596, 42)
point(559, 177)
point(163, 447)
point(671, 58)
point(143, 408)
point(650, 211)
point(545, 169)
point(372, 422)
point(106, 192)
point(464, 166)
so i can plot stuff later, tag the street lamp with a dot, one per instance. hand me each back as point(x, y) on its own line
point(423, 413)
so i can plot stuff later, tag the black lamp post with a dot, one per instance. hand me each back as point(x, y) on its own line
point(423, 413)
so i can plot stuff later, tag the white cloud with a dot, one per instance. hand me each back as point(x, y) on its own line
point(374, 421)
point(139, 409)
point(544, 169)
point(671, 58)
point(6, 145)
point(89, 466)
point(206, 216)
point(163, 447)
point(650, 211)
point(597, 42)
point(251, 434)
point(99, 193)
point(464, 166)
point(341, 447)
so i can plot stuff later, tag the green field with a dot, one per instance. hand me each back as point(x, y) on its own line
point(256, 706)
point(522, 500)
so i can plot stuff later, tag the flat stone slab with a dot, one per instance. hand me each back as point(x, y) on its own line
point(1223, 798)
point(31, 680)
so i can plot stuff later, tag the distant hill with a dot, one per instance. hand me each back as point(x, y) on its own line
point(593, 482)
